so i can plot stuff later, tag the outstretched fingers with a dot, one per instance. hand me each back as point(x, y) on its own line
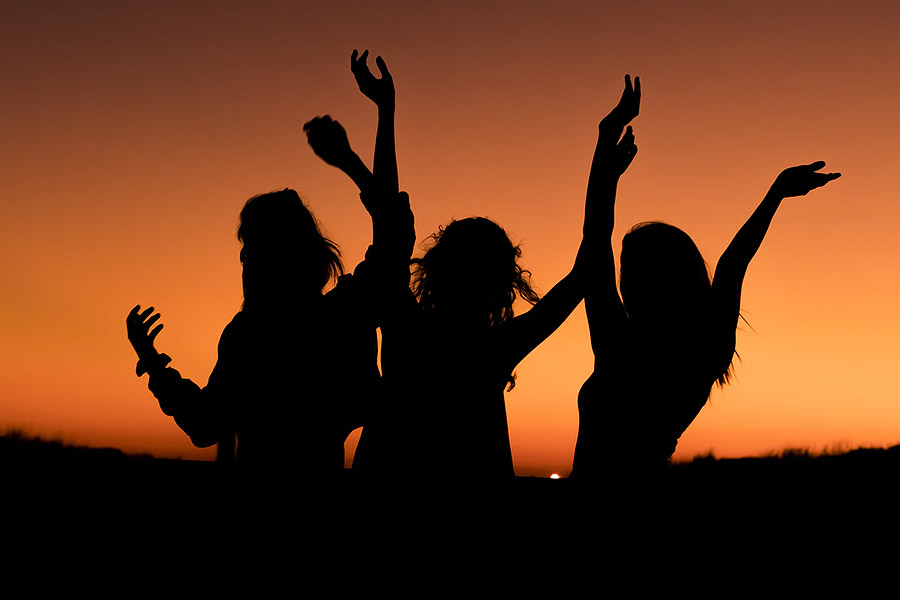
point(153, 319)
point(630, 103)
point(800, 180)
point(823, 178)
point(357, 60)
point(359, 67)
point(820, 179)
point(382, 68)
point(138, 324)
point(380, 91)
point(155, 332)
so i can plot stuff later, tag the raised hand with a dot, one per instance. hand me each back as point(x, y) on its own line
point(139, 333)
point(800, 180)
point(142, 337)
point(329, 141)
point(626, 149)
point(379, 91)
point(629, 104)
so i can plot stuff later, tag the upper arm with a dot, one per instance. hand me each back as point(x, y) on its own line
point(727, 285)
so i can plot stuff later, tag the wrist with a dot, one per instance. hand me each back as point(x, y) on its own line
point(775, 194)
point(386, 107)
point(152, 365)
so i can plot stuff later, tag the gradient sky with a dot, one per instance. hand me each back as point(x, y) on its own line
point(134, 131)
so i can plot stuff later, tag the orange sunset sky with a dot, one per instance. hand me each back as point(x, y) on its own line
point(133, 132)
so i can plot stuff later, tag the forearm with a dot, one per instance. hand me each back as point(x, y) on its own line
point(749, 238)
point(384, 166)
point(600, 204)
point(357, 171)
point(603, 181)
point(529, 330)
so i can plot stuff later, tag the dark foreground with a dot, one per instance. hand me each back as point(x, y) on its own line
point(94, 508)
point(37, 470)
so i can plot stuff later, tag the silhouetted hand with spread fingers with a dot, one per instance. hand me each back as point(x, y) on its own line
point(329, 141)
point(802, 179)
point(379, 91)
point(141, 336)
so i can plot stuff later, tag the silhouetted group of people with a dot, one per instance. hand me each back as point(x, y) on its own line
point(297, 368)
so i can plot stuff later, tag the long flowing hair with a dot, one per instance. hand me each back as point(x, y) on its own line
point(664, 279)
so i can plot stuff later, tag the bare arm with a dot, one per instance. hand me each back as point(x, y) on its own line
point(612, 156)
point(732, 266)
point(382, 93)
point(329, 141)
point(593, 275)
point(393, 226)
point(526, 332)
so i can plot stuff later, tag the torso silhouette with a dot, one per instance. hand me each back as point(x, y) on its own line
point(445, 413)
point(642, 397)
point(290, 383)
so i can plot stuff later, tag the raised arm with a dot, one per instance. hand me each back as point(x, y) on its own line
point(392, 220)
point(612, 156)
point(382, 93)
point(732, 266)
point(329, 141)
point(593, 275)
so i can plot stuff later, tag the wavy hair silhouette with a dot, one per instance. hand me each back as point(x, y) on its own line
point(472, 265)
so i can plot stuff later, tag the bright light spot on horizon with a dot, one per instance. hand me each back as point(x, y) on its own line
point(554, 476)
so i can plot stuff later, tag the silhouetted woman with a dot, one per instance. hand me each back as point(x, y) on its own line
point(460, 345)
point(294, 366)
point(661, 346)
point(449, 349)
point(297, 369)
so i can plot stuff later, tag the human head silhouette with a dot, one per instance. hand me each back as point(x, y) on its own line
point(285, 256)
point(471, 272)
point(664, 280)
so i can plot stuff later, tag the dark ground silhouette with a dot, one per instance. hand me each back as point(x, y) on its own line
point(32, 463)
point(763, 517)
